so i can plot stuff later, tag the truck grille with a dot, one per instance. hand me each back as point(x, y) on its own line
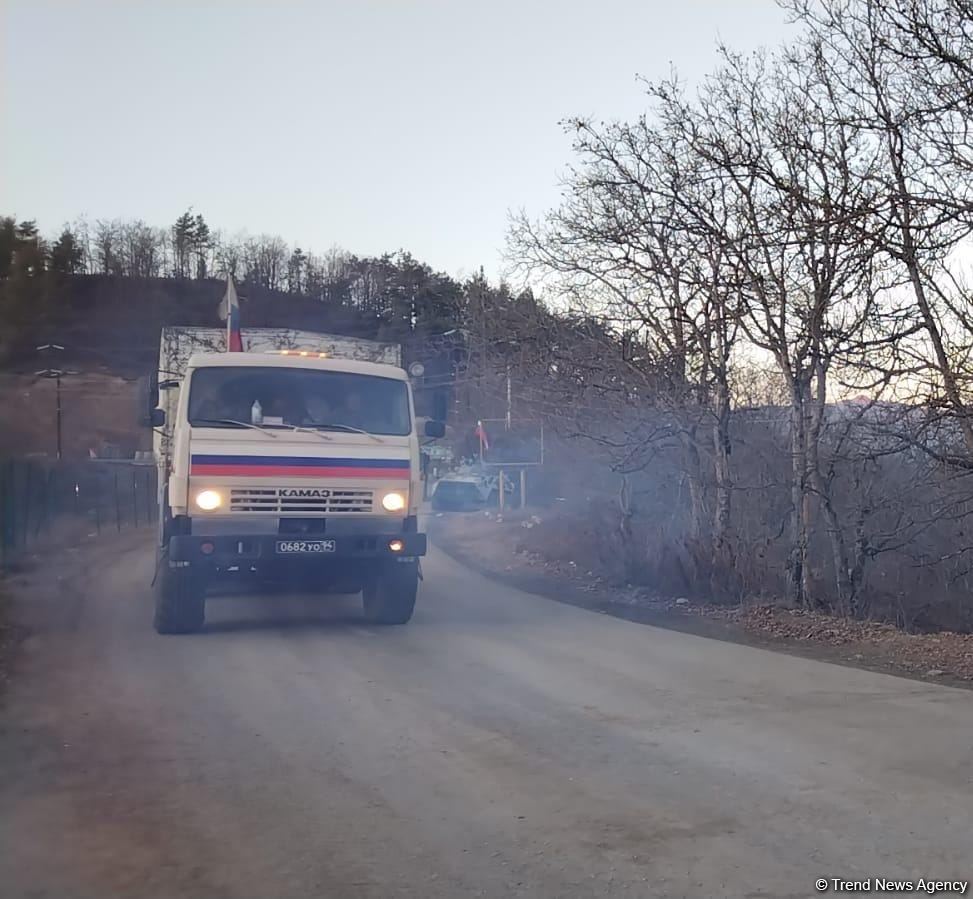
point(274, 501)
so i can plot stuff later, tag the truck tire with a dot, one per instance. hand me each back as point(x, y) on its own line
point(389, 596)
point(180, 600)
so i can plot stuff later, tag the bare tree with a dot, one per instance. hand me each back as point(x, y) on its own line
point(106, 247)
point(907, 92)
point(228, 255)
point(622, 250)
point(139, 250)
point(265, 261)
point(796, 178)
point(752, 211)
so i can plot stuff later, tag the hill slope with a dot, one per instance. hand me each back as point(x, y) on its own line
point(112, 324)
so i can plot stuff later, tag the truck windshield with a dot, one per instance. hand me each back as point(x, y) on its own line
point(299, 397)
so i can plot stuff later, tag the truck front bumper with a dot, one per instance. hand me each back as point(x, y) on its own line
point(281, 549)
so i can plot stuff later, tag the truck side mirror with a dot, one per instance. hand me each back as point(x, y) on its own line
point(439, 404)
point(435, 428)
point(147, 393)
point(157, 418)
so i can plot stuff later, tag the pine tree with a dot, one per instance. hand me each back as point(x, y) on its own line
point(66, 255)
point(202, 244)
point(183, 244)
point(8, 243)
point(296, 267)
point(30, 251)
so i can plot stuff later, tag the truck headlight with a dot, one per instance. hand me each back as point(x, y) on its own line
point(393, 502)
point(208, 500)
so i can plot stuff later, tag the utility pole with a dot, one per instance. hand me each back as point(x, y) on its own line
point(509, 403)
point(56, 374)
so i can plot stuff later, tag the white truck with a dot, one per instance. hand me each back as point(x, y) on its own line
point(298, 457)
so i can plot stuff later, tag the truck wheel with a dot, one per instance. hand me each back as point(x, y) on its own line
point(180, 601)
point(389, 596)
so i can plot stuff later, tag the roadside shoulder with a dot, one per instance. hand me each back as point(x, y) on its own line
point(490, 548)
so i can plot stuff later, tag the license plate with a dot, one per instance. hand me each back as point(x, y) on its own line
point(305, 546)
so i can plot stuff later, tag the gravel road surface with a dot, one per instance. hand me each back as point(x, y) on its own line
point(500, 745)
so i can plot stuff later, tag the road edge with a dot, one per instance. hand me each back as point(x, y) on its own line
point(598, 601)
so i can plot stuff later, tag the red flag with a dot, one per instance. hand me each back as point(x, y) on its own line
point(481, 433)
point(230, 309)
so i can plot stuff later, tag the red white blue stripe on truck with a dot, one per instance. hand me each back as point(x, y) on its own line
point(298, 467)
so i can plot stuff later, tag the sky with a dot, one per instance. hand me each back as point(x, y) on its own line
point(372, 125)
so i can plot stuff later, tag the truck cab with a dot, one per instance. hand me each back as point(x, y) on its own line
point(290, 464)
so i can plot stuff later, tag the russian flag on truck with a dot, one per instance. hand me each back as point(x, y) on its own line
point(230, 310)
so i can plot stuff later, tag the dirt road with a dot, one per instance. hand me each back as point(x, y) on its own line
point(500, 745)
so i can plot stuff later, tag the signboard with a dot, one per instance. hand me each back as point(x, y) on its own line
point(520, 444)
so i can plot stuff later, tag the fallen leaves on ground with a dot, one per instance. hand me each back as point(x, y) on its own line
point(929, 654)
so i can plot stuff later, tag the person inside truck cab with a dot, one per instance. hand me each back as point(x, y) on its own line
point(352, 411)
point(319, 410)
point(352, 407)
point(286, 405)
point(210, 400)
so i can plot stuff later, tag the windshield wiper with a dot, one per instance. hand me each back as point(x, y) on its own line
point(232, 421)
point(338, 427)
point(305, 430)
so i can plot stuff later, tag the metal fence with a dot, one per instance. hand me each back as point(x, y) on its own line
point(39, 497)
